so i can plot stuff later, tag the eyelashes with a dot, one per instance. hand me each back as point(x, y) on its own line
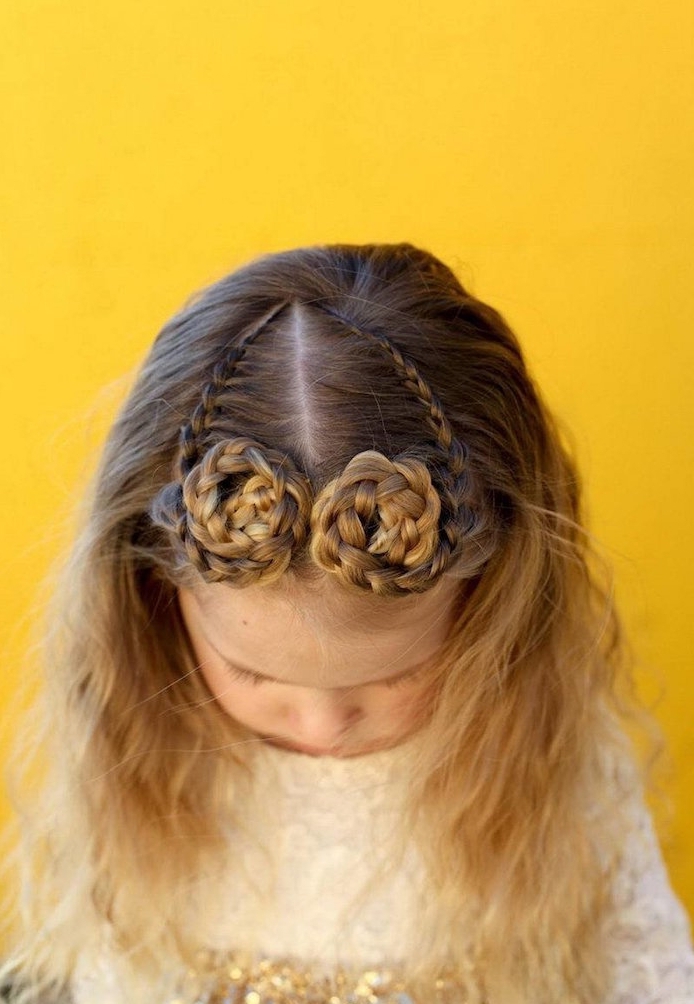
point(244, 675)
point(255, 679)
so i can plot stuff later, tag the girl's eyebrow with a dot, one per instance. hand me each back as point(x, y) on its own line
point(235, 664)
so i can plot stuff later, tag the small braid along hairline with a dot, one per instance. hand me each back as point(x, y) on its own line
point(239, 510)
point(221, 374)
point(414, 381)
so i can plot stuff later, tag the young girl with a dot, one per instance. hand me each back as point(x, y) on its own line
point(332, 694)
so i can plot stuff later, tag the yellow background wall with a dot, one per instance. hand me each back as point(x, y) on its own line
point(544, 148)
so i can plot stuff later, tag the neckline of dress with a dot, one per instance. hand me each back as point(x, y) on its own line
point(298, 765)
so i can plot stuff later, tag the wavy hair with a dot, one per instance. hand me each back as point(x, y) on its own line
point(350, 411)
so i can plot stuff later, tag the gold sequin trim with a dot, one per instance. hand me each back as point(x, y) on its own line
point(230, 980)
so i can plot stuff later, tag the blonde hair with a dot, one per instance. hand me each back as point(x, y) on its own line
point(351, 409)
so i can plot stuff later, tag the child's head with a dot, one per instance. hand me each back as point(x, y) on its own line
point(343, 422)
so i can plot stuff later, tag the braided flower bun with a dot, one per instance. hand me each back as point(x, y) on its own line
point(240, 513)
point(377, 525)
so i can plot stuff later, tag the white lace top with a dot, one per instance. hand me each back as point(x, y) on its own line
point(321, 892)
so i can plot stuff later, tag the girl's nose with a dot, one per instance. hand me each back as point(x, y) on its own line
point(322, 719)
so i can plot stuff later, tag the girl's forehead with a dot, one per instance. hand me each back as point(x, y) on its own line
point(308, 635)
point(326, 607)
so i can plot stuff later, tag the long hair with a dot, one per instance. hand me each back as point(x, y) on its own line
point(279, 376)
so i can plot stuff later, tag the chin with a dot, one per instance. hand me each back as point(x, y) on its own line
point(339, 752)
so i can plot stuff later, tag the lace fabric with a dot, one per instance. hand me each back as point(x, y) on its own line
point(322, 852)
point(649, 936)
point(324, 825)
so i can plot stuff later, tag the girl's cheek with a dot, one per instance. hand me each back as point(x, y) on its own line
point(406, 702)
point(238, 699)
